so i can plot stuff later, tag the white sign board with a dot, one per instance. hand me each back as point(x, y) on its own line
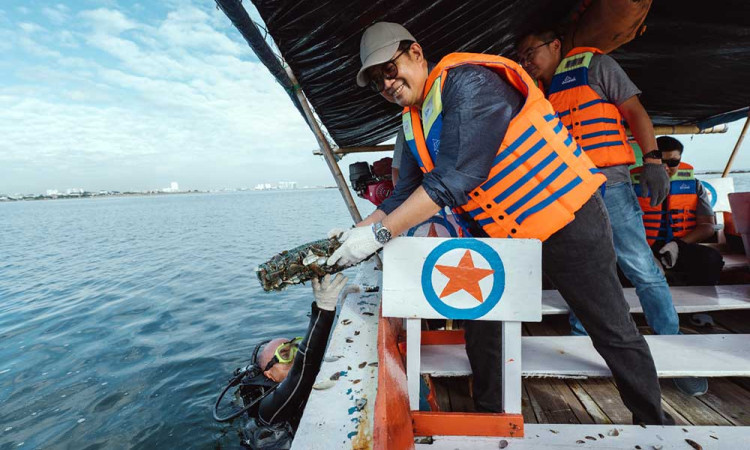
point(718, 190)
point(464, 278)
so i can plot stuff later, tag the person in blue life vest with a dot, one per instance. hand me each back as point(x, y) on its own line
point(594, 98)
point(482, 140)
point(676, 228)
point(277, 382)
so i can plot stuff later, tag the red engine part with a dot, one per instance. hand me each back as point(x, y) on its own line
point(378, 192)
point(382, 167)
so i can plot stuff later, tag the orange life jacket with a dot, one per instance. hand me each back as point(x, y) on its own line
point(539, 177)
point(595, 123)
point(676, 216)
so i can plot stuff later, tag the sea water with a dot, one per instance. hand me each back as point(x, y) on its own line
point(121, 318)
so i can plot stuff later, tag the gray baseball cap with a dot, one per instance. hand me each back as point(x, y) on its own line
point(378, 45)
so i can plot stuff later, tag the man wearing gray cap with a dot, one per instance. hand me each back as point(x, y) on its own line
point(482, 139)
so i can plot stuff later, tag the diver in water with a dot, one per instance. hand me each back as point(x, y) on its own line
point(275, 385)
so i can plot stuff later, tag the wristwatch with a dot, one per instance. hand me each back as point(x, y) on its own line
point(653, 154)
point(382, 234)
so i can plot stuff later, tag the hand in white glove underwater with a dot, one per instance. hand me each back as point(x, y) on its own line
point(327, 291)
point(357, 244)
point(668, 254)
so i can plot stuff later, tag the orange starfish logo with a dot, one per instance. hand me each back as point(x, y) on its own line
point(464, 277)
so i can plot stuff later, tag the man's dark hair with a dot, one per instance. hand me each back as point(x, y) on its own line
point(668, 144)
point(544, 34)
point(404, 45)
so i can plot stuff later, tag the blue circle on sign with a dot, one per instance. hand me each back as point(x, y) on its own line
point(438, 220)
point(498, 284)
point(712, 191)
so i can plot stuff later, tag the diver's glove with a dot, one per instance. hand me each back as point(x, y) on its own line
point(654, 183)
point(326, 291)
point(668, 254)
point(357, 244)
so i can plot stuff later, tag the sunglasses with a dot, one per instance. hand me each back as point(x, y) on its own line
point(671, 162)
point(292, 345)
point(528, 54)
point(386, 71)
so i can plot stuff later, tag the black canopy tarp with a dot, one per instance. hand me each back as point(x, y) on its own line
point(692, 63)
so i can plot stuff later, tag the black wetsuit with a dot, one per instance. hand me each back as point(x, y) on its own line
point(287, 401)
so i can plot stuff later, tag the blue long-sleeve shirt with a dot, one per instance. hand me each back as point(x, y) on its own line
point(478, 106)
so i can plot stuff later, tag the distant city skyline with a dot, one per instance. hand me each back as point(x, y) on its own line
point(174, 187)
point(116, 95)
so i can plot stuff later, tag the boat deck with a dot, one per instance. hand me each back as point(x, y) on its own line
point(596, 400)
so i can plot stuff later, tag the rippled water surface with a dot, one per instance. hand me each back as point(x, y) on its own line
point(121, 318)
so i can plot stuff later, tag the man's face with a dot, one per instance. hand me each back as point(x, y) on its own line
point(539, 58)
point(407, 87)
point(671, 155)
point(279, 371)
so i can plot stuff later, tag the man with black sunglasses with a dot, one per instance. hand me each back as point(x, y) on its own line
point(685, 219)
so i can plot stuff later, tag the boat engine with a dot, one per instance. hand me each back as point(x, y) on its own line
point(372, 182)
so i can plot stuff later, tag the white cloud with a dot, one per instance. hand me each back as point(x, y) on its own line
point(67, 39)
point(121, 48)
point(29, 27)
point(108, 21)
point(34, 48)
point(58, 14)
point(189, 28)
point(173, 96)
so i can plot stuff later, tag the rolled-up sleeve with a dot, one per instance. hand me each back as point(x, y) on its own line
point(409, 179)
point(478, 106)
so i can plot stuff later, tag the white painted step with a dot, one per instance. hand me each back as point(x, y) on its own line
point(704, 355)
point(575, 437)
point(687, 299)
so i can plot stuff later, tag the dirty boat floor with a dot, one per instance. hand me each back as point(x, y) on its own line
point(596, 401)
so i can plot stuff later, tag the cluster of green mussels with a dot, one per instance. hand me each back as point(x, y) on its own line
point(298, 265)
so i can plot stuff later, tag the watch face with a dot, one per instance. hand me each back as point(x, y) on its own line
point(383, 235)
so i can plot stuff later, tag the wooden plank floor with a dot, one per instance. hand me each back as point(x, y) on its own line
point(596, 401)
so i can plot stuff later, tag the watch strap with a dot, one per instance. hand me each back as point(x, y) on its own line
point(654, 154)
point(382, 234)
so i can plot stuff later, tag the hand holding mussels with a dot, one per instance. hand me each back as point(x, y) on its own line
point(298, 265)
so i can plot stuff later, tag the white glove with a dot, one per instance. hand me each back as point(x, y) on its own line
point(357, 244)
point(326, 292)
point(336, 232)
point(668, 254)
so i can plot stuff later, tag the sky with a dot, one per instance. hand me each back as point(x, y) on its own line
point(124, 95)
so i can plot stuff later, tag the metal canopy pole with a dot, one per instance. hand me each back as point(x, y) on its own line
point(736, 147)
point(333, 165)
